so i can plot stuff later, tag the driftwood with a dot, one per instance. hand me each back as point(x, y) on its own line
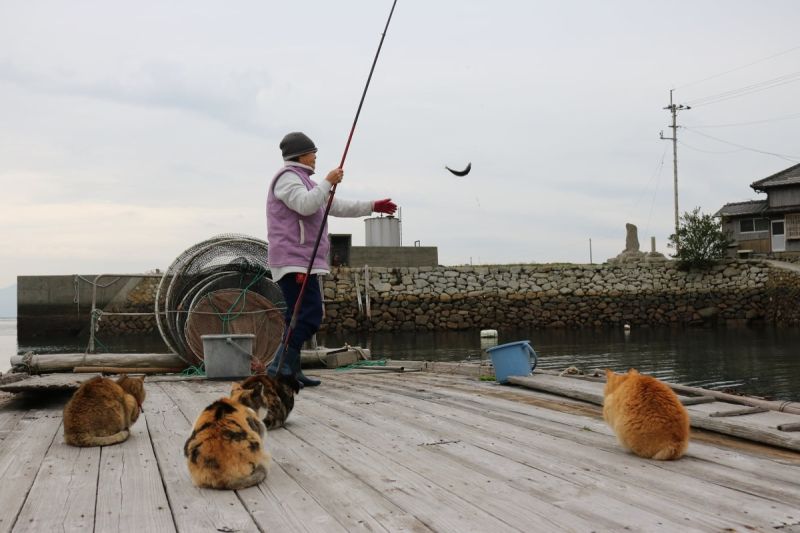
point(66, 362)
point(127, 370)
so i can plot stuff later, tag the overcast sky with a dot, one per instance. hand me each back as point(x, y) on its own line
point(131, 130)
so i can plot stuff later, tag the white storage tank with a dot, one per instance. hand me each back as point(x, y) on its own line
point(383, 231)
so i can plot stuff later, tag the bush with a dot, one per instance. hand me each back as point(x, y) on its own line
point(700, 241)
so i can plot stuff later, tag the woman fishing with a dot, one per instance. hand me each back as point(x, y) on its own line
point(296, 215)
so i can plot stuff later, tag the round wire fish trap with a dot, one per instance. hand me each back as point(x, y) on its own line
point(236, 311)
point(227, 261)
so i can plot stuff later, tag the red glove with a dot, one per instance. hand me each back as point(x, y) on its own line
point(384, 206)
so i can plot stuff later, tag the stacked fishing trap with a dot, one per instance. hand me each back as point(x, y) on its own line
point(218, 286)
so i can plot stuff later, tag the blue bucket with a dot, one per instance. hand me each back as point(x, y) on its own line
point(512, 359)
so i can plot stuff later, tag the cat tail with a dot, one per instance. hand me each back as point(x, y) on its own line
point(670, 452)
point(258, 475)
point(85, 439)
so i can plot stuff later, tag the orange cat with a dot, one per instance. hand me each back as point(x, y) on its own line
point(226, 447)
point(102, 411)
point(646, 415)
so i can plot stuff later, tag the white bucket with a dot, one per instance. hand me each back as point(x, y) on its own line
point(227, 356)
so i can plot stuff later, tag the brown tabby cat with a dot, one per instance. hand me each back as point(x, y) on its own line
point(225, 449)
point(278, 393)
point(646, 415)
point(102, 411)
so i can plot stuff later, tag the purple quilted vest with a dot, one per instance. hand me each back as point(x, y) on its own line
point(290, 235)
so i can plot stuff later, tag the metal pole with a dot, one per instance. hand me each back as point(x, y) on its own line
point(675, 164)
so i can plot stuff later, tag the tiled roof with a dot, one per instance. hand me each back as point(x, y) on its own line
point(790, 176)
point(751, 207)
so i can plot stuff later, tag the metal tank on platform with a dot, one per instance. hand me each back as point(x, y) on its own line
point(383, 231)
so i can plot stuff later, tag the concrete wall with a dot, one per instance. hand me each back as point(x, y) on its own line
point(394, 256)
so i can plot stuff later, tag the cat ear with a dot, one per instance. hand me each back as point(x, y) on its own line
point(259, 388)
point(609, 372)
point(235, 386)
point(632, 371)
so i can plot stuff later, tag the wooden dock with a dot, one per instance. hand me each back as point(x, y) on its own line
point(390, 451)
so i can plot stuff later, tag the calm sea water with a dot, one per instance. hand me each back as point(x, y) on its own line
point(757, 361)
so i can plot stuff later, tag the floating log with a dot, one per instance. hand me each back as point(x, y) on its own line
point(694, 400)
point(66, 362)
point(128, 370)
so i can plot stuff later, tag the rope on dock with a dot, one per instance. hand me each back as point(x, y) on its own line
point(365, 363)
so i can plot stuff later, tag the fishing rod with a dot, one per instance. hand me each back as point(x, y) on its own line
point(293, 321)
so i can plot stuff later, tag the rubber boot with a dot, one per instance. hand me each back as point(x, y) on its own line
point(294, 363)
point(288, 366)
point(305, 380)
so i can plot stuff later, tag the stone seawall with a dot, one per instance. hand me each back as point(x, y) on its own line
point(569, 296)
point(737, 292)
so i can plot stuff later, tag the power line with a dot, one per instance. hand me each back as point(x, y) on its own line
point(739, 68)
point(746, 90)
point(792, 158)
point(709, 151)
point(750, 123)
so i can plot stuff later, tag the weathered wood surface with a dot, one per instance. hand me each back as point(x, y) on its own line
point(761, 426)
point(390, 452)
point(65, 362)
point(64, 382)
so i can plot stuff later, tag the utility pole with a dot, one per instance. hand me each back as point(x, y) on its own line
point(674, 110)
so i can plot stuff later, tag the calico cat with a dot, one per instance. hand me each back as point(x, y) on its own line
point(278, 395)
point(102, 411)
point(646, 415)
point(225, 449)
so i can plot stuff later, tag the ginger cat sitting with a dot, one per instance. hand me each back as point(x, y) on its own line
point(646, 415)
point(225, 449)
point(102, 411)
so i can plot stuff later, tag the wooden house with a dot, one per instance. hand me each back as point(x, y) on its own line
point(770, 225)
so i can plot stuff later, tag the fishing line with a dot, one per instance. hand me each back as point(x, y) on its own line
point(293, 321)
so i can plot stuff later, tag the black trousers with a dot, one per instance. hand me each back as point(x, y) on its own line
point(309, 317)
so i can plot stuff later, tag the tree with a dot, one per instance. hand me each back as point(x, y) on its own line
point(700, 241)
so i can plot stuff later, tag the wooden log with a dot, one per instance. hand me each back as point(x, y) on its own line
point(66, 362)
point(740, 412)
point(785, 407)
point(772, 405)
point(793, 426)
point(127, 370)
point(694, 400)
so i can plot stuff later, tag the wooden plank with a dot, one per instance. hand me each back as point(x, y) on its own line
point(568, 487)
point(132, 496)
point(193, 509)
point(491, 394)
point(739, 412)
point(759, 429)
point(676, 480)
point(347, 501)
point(63, 495)
point(21, 457)
point(56, 382)
point(449, 491)
point(694, 400)
point(65, 362)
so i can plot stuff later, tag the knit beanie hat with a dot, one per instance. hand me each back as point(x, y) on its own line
point(295, 144)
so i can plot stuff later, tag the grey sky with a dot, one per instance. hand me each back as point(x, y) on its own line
point(131, 131)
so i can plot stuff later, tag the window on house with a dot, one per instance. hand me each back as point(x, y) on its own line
point(749, 225)
point(793, 226)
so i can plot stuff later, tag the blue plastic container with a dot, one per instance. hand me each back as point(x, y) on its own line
point(512, 359)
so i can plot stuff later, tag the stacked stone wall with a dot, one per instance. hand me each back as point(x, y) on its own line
point(568, 296)
point(441, 298)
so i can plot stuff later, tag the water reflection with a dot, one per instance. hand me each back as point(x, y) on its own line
point(762, 362)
